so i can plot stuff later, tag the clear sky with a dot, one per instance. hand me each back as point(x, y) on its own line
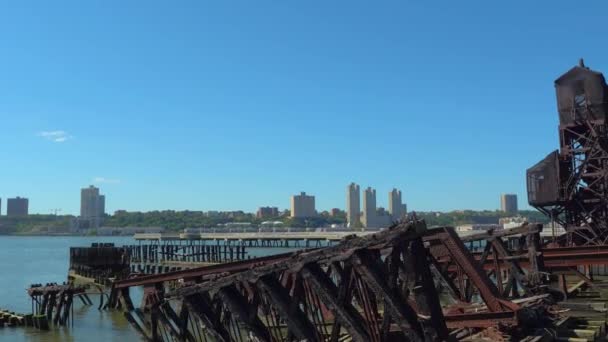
point(220, 105)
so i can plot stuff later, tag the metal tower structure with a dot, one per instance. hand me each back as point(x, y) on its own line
point(570, 185)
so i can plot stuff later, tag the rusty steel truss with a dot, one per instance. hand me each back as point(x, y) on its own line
point(571, 185)
point(520, 263)
point(388, 286)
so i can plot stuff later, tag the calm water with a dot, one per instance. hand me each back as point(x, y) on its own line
point(28, 260)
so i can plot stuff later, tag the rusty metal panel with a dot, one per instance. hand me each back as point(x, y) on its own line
point(543, 181)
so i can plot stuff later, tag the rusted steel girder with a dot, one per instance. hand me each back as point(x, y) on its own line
point(200, 272)
point(313, 307)
point(468, 271)
point(374, 288)
point(523, 269)
point(497, 261)
point(555, 258)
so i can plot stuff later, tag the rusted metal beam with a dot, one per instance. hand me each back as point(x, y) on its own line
point(180, 323)
point(345, 313)
point(135, 324)
point(428, 301)
point(344, 291)
point(296, 320)
point(238, 306)
point(402, 313)
point(485, 235)
point(481, 320)
point(201, 307)
point(516, 271)
point(461, 256)
point(200, 272)
point(125, 299)
point(553, 258)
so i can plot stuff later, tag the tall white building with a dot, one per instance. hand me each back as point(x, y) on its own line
point(369, 208)
point(92, 206)
point(395, 205)
point(353, 205)
point(303, 206)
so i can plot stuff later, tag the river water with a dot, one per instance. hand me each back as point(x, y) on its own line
point(29, 260)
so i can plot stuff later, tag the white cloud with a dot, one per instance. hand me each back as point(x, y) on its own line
point(106, 180)
point(55, 136)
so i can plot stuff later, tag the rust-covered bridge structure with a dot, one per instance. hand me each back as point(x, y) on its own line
point(396, 285)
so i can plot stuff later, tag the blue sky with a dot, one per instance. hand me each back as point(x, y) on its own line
point(225, 105)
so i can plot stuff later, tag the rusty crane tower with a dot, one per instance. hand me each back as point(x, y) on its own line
point(570, 185)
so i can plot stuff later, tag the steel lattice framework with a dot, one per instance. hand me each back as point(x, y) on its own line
point(381, 287)
point(571, 185)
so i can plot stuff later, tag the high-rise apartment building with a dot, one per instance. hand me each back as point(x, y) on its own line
point(369, 208)
point(267, 212)
point(353, 205)
point(17, 207)
point(395, 206)
point(508, 203)
point(303, 206)
point(92, 206)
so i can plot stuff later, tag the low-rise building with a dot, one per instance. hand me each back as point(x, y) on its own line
point(267, 212)
point(335, 212)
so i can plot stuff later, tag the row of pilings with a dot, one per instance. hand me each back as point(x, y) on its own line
point(156, 253)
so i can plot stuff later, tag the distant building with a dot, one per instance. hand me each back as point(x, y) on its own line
point(383, 218)
point(266, 212)
point(395, 206)
point(17, 207)
point(335, 212)
point(303, 206)
point(508, 203)
point(369, 208)
point(233, 214)
point(353, 205)
point(92, 207)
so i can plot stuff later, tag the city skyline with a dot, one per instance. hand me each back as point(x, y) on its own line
point(222, 110)
point(92, 201)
